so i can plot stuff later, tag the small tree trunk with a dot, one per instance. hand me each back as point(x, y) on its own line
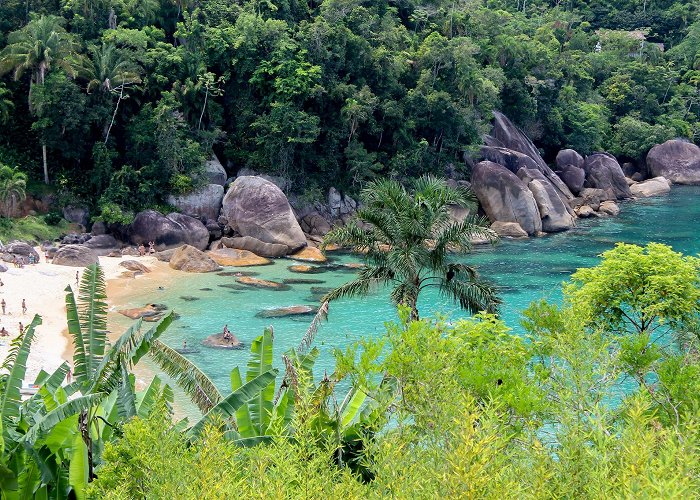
point(84, 427)
point(46, 166)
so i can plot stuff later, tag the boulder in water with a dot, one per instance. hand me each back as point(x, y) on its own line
point(283, 312)
point(585, 212)
point(609, 208)
point(676, 160)
point(651, 187)
point(235, 257)
point(149, 312)
point(309, 254)
point(75, 256)
point(218, 341)
point(504, 197)
point(256, 207)
point(187, 258)
point(508, 229)
point(555, 213)
point(260, 283)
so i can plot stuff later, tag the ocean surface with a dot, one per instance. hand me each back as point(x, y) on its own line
point(524, 270)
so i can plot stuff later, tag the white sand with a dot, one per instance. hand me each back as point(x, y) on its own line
point(43, 287)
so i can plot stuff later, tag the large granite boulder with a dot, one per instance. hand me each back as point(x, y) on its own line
point(651, 187)
point(215, 172)
point(235, 257)
point(568, 157)
point(506, 135)
point(257, 208)
point(203, 202)
point(76, 214)
point(555, 213)
point(75, 256)
point(508, 230)
point(19, 249)
point(169, 231)
point(504, 197)
point(676, 160)
point(574, 177)
point(314, 224)
point(103, 244)
point(192, 260)
point(256, 246)
point(512, 160)
point(604, 172)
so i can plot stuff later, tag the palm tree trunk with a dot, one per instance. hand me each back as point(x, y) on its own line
point(84, 426)
point(46, 166)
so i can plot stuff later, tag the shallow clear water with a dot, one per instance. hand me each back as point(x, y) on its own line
point(525, 270)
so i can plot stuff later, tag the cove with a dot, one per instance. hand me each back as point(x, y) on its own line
point(525, 270)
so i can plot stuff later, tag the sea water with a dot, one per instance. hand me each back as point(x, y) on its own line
point(525, 270)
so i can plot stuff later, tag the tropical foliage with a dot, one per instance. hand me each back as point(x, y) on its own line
point(407, 236)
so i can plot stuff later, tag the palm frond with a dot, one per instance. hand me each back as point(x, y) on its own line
point(308, 337)
point(68, 409)
point(471, 292)
point(191, 379)
point(367, 278)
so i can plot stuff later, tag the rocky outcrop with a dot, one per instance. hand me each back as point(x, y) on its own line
point(236, 257)
point(309, 254)
point(506, 135)
point(257, 208)
point(584, 211)
point(169, 231)
point(104, 244)
point(314, 224)
point(215, 172)
point(604, 172)
point(76, 215)
point(651, 187)
point(18, 249)
point(75, 256)
point(340, 204)
point(609, 208)
point(149, 312)
point(676, 160)
point(508, 230)
point(189, 259)
point(203, 202)
point(555, 213)
point(283, 312)
point(504, 197)
point(256, 246)
point(260, 283)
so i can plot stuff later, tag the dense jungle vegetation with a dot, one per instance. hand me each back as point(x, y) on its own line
point(122, 100)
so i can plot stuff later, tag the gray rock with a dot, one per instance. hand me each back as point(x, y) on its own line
point(504, 197)
point(167, 232)
point(256, 207)
point(99, 228)
point(102, 244)
point(553, 211)
point(506, 135)
point(604, 172)
point(651, 187)
point(594, 197)
point(189, 259)
point(315, 224)
point(3, 268)
point(512, 160)
point(19, 249)
point(340, 204)
point(609, 208)
point(574, 177)
point(281, 182)
point(75, 256)
point(585, 212)
point(203, 202)
point(76, 215)
point(165, 255)
point(133, 265)
point(256, 246)
point(215, 171)
point(508, 229)
point(676, 160)
point(568, 157)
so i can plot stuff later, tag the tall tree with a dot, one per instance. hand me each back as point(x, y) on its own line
point(13, 185)
point(40, 46)
point(407, 237)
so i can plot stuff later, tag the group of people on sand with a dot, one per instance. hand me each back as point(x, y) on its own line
point(151, 248)
point(3, 306)
point(18, 260)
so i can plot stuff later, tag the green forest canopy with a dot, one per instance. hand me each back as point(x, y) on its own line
point(135, 94)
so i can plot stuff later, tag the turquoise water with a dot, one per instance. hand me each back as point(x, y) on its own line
point(525, 271)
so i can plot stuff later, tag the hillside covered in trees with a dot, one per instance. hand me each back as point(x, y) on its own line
point(119, 102)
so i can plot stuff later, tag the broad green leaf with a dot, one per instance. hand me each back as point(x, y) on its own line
point(79, 468)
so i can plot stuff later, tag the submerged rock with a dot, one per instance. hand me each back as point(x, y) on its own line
point(260, 283)
point(281, 312)
point(218, 341)
point(305, 268)
point(302, 281)
point(609, 208)
point(676, 160)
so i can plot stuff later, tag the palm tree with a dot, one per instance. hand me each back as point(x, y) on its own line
point(6, 104)
point(38, 47)
point(111, 71)
point(406, 237)
point(13, 185)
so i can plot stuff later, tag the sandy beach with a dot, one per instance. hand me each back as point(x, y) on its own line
point(43, 286)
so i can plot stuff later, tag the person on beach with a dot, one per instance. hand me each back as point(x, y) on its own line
point(21, 328)
point(1, 283)
point(3, 304)
point(4, 333)
point(24, 307)
point(142, 250)
point(77, 278)
point(151, 247)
